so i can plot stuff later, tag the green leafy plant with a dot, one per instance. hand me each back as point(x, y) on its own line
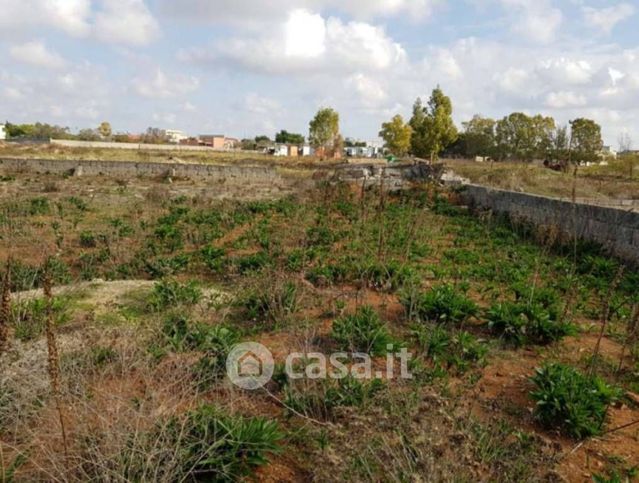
point(171, 293)
point(522, 323)
point(362, 331)
point(461, 350)
point(442, 304)
point(571, 401)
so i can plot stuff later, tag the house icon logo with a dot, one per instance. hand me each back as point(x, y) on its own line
point(249, 365)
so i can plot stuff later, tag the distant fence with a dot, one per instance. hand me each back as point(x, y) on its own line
point(137, 146)
point(615, 229)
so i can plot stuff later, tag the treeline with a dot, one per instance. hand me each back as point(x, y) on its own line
point(431, 133)
point(43, 132)
point(522, 137)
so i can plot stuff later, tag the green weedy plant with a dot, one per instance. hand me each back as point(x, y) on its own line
point(522, 323)
point(213, 446)
point(229, 447)
point(320, 398)
point(272, 302)
point(461, 350)
point(171, 293)
point(442, 304)
point(363, 331)
point(571, 401)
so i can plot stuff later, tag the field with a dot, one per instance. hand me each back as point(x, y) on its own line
point(598, 184)
point(525, 347)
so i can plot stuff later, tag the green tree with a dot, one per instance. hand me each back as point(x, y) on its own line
point(433, 126)
point(88, 135)
point(586, 142)
point(396, 135)
point(285, 137)
point(323, 132)
point(479, 136)
point(105, 130)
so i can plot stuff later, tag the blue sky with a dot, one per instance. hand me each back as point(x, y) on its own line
point(247, 67)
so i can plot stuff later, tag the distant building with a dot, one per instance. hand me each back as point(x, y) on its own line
point(608, 152)
point(231, 143)
point(174, 136)
point(305, 150)
point(3, 132)
point(215, 141)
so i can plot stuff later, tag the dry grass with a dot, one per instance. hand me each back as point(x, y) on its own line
point(597, 183)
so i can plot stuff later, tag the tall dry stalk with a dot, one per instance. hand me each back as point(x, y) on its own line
point(5, 309)
point(54, 358)
point(605, 317)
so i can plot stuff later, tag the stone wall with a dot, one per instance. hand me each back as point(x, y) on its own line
point(137, 146)
point(130, 169)
point(395, 176)
point(616, 229)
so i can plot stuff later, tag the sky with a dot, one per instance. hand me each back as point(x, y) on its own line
point(248, 67)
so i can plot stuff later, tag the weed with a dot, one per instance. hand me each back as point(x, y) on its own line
point(362, 331)
point(442, 304)
point(171, 293)
point(571, 401)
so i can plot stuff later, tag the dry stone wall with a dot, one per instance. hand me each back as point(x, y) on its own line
point(616, 229)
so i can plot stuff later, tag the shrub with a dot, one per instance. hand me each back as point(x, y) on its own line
point(363, 331)
point(443, 303)
point(571, 401)
point(171, 293)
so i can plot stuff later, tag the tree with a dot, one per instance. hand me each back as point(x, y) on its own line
point(560, 145)
point(285, 137)
point(479, 136)
point(323, 132)
point(625, 142)
point(88, 135)
point(105, 130)
point(433, 126)
point(154, 135)
point(396, 135)
point(586, 139)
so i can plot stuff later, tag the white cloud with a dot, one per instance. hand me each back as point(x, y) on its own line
point(537, 21)
point(326, 45)
point(162, 86)
point(605, 19)
point(36, 53)
point(260, 105)
point(250, 12)
point(69, 16)
point(370, 92)
point(305, 35)
point(125, 22)
point(563, 99)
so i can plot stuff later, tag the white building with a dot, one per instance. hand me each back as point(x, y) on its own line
point(175, 136)
point(3, 133)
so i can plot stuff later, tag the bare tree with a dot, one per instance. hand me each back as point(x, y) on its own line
point(625, 142)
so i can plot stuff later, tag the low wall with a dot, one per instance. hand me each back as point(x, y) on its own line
point(129, 169)
point(616, 229)
point(138, 146)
